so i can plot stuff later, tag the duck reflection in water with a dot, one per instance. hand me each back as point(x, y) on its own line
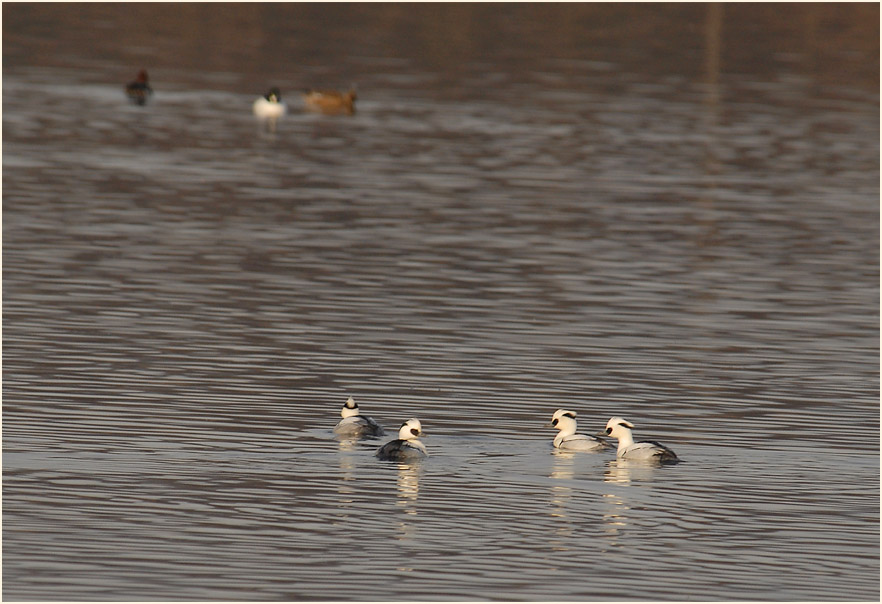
point(408, 494)
point(562, 474)
point(624, 471)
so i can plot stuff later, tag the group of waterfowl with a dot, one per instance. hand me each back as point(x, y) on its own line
point(354, 425)
point(329, 102)
point(408, 446)
point(269, 106)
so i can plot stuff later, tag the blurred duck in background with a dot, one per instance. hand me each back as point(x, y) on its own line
point(139, 90)
point(330, 102)
point(270, 105)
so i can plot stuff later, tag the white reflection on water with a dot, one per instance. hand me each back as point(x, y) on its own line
point(624, 471)
point(408, 486)
point(408, 493)
point(615, 518)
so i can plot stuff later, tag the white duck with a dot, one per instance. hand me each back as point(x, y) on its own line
point(647, 450)
point(270, 105)
point(406, 447)
point(355, 425)
point(567, 439)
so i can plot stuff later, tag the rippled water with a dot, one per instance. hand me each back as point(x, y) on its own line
point(497, 233)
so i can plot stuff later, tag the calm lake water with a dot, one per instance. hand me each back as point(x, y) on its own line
point(665, 212)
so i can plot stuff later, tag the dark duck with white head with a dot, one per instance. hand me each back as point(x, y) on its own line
point(354, 424)
point(407, 446)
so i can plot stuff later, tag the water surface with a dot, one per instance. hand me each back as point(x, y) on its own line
point(534, 207)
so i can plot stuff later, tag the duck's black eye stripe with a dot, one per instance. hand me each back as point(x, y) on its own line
point(554, 422)
point(609, 430)
point(414, 431)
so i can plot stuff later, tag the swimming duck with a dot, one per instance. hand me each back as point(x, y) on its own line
point(355, 425)
point(270, 105)
point(648, 450)
point(406, 446)
point(330, 102)
point(139, 90)
point(567, 439)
